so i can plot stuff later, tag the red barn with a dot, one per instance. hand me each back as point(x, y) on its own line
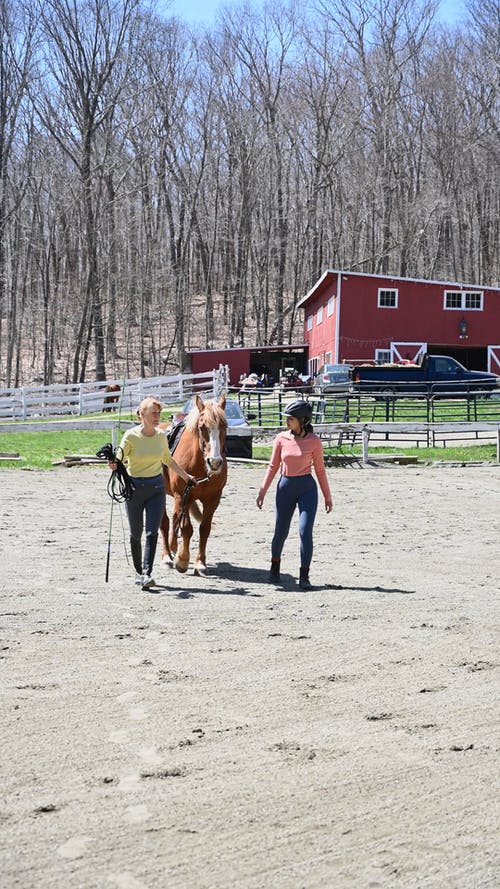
point(353, 316)
point(267, 361)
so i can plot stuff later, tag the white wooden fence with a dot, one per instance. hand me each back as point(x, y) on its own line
point(81, 399)
point(408, 434)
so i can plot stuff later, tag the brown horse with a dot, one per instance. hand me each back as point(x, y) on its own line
point(111, 400)
point(201, 453)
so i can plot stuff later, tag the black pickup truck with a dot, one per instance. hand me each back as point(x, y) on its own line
point(435, 373)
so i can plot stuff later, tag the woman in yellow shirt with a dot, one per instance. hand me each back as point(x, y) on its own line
point(143, 450)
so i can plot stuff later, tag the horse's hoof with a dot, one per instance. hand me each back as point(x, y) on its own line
point(182, 567)
point(168, 560)
point(200, 571)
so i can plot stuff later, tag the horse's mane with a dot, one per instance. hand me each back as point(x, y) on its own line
point(213, 416)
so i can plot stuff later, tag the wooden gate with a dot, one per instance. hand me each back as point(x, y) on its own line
point(494, 359)
point(407, 351)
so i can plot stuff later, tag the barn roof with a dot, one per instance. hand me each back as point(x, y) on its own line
point(283, 347)
point(325, 280)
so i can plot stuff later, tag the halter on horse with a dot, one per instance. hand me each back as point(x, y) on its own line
point(200, 452)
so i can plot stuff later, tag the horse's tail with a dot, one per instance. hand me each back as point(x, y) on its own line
point(195, 511)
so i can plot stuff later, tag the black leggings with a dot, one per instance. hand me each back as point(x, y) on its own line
point(148, 500)
point(295, 491)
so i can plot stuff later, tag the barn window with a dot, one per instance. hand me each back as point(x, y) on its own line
point(309, 322)
point(329, 307)
point(474, 301)
point(463, 299)
point(387, 299)
point(382, 356)
point(319, 316)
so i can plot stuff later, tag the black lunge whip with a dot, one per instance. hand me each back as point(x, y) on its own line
point(120, 487)
point(108, 554)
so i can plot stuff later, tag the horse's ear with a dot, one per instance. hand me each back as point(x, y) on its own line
point(199, 403)
point(222, 402)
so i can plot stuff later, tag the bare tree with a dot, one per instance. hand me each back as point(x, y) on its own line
point(163, 189)
point(86, 65)
point(259, 45)
point(16, 51)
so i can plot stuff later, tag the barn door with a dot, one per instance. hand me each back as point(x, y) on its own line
point(407, 351)
point(494, 359)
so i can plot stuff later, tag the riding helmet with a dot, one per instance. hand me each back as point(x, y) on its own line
point(300, 409)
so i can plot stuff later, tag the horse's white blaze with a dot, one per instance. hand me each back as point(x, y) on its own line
point(214, 450)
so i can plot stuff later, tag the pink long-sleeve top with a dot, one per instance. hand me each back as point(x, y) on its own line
point(296, 456)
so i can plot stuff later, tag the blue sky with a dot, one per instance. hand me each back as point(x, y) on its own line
point(200, 11)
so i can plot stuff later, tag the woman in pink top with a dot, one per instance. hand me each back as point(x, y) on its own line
point(296, 451)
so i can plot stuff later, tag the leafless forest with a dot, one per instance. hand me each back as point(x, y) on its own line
point(165, 188)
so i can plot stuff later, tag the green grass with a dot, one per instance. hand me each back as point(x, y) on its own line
point(458, 454)
point(39, 450)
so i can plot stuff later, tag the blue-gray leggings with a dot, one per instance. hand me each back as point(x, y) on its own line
point(301, 491)
point(147, 500)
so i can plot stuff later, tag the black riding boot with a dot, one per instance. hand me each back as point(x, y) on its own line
point(274, 574)
point(304, 582)
point(136, 550)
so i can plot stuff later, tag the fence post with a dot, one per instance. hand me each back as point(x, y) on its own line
point(23, 403)
point(220, 380)
point(217, 381)
point(80, 399)
point(259, 408)
point(365, 437)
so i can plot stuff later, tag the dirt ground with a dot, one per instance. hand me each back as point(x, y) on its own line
point(219, 732)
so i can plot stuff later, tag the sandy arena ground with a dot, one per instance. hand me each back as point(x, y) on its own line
point(218, 732)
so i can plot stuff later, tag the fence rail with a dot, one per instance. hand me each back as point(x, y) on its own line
point(406, 421)
point(404, 434)
point(339, 420)
point(80, 399)
point(267, 405)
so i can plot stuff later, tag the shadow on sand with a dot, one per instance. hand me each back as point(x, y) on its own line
point(242, 575)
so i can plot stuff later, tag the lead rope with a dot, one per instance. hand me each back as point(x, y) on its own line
point(181, 518)
point(120, 486)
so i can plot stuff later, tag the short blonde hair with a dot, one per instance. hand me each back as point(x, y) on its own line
point(148, 403)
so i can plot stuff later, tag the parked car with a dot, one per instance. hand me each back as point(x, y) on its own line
point(332, 378)
point(239, 432)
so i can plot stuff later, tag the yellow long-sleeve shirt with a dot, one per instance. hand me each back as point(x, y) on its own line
point(142, 454)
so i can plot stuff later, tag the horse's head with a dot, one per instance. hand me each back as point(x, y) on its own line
point(212, 428)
